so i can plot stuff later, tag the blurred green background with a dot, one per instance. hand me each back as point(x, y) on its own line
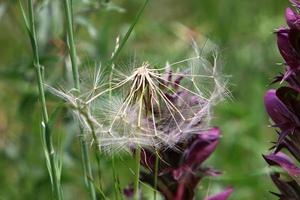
point(241, 29)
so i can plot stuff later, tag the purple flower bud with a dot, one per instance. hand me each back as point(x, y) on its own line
point(282, 160)
point(289, 188)
point(286, 44)
point(280, 105)
point(222, 195)
point(202, 147)
point(292, 18)
point(128, 191)
point(296, 3)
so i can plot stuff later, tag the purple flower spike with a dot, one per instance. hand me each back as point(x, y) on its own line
point(222, 195)
point(283, 107)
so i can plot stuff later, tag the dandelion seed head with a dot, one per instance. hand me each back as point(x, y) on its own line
point(149, 106)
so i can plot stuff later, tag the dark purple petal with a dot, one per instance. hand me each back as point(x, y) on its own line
point(284, 161)
point(287, 50)
point(294, 38)
point(202, 147)
point(186, 187)
point(293, 80)
point(280, 113)
point(295, 3)
point(128, 191)
point(222, 195)
point(292, 148)
point(275, 108)
point(290, 98)
point(289, 189)
point(292, 18)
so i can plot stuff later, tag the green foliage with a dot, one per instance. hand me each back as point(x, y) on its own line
point(243, 31)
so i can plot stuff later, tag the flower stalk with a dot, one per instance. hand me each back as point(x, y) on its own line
point(47, 134)
point(137, 173)
point(73, 57)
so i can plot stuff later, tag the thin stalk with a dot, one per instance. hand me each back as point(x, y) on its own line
point(71, 42)
point(73, 56)
point(118, 192)
point(97, 151)
point(156, 174)
point(117, 186)
point(128, 33)
point(87, 167)
point(47, 135)
point(137, 172)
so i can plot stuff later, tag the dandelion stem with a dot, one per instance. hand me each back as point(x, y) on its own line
point(137, 172)
point(47, 135)
point(73, 56)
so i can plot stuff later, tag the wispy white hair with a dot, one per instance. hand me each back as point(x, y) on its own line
point(115, 107)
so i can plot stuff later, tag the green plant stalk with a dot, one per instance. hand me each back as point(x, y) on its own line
point(47, 135)
point(73, 56)
point(118, 192)
point(87, 167)
point(71, 43)
point(124, 40)
point(155, 174)
point(137, 172)
point(97, 151)
point(117, 186)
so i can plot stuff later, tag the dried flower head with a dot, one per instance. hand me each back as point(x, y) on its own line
point(149, 105)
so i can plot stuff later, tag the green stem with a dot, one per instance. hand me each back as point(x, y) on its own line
point(137, 172)
point(73, 56)
point(97, 151)
point(118, 192)
point(128, 33)
point(36, 61)
point(71, 42)
point(156, 174)
point(87, 167)
point(47, 135)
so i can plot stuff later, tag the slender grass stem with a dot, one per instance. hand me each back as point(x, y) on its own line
point(71, 42)
point(73, 56)
point(87, 167)
point(128, 33)
point(47, 134)
point(156, 174)
point(97, 152)
point(137, 172)
point(116, 180)
point(118, 191)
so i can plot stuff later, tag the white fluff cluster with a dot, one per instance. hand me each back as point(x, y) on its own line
point(146, 105)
